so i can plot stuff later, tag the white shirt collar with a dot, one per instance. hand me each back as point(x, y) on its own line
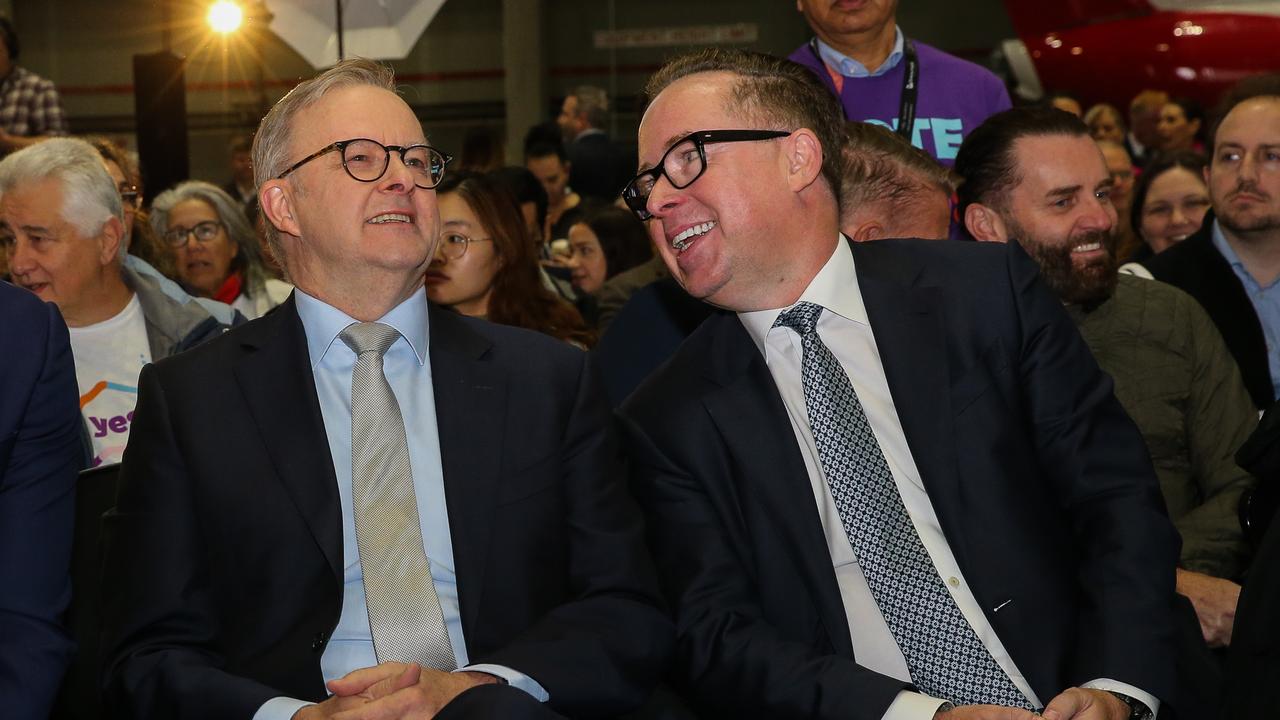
point(835, 288)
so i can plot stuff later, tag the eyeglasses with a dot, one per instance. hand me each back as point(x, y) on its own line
point(204, 231)
point(684, 162)
point(454, 245)
point(367, 161)
point(130, 196)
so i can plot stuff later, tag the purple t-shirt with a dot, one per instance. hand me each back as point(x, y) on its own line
point(954, 97)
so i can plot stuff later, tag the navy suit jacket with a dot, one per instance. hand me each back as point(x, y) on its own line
point(1041, 483)
point(40, 454)
point(224, 561)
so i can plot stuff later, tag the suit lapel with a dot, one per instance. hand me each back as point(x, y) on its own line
point(749, 412)
point(471, 407)
point(278, 386)
point(907, 323)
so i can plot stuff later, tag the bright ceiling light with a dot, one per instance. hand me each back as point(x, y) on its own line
point(225, 16)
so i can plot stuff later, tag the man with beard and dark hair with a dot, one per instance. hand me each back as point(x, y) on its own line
point(1038, 179)
point(1233, 263)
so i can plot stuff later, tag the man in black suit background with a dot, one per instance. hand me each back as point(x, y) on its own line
point(597, 164)
point(1232, 263)
point(892, 477)
point(324, 504)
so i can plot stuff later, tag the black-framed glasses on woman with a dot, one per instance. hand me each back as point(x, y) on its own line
point(130, 196)
point(204, 231)
point(367, 161)
point(684, 162)
point(453, 245)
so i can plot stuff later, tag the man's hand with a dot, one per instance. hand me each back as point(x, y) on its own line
point(1086, 704)
point(984, 712)
point(329, 708)
point(395, 691)
point(1215, 602)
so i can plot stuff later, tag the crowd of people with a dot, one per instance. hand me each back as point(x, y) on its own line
point(851, 390)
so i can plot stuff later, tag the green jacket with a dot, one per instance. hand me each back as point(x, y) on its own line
point(1176, 379)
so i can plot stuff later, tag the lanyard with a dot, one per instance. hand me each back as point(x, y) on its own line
point(910, 85)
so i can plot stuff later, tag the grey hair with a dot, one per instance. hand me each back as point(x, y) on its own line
point(89, 196)
point(594, 103)
point(273, 140)
point(249, 259)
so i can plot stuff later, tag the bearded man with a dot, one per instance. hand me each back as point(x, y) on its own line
point(1035, 177)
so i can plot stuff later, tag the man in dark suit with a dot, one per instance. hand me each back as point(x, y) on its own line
point(856, 524)
point(40, 452)
point(1232, 263)
point(597, 164)
point(414, 513)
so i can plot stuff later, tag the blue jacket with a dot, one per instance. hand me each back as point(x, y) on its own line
point(40, 453)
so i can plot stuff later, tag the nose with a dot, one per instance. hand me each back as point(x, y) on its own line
point(663, 198)
point(1248, 167)
point(1099, 214)
point(21, 259)
point(398, 177)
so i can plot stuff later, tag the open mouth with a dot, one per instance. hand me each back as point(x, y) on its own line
point(1087, 247)
point(683, 240)
point(386, 218)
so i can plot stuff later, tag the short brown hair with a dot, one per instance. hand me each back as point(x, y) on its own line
point(770, 91)
point(881, 167)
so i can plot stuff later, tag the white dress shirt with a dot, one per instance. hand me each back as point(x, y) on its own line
point(846, 331)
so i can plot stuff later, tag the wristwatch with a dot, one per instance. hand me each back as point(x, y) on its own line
point(1138, 710)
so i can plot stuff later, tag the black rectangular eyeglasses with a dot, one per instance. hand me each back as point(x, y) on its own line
point(684, 162)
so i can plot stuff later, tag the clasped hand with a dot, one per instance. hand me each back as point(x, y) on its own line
point(392, 691)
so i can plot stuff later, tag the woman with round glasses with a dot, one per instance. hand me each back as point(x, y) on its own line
point(485, 264)
point(215, 249)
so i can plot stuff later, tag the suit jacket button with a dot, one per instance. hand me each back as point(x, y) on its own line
point(317, 642)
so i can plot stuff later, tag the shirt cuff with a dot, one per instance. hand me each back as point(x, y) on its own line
point(515, 679)
point(1126, 689)
point(280, 708)
point(912, 706)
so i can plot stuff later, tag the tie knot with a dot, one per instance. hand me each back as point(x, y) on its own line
point(802, 317)
point(369, 337)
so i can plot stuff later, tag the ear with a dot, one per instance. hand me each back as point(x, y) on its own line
point(804, 159)
point(1208, 167)
point(276, 200)
point(985, 224)
point(110, 237)
point(870, 230)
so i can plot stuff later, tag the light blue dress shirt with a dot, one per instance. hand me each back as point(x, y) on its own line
point(848, 67)
point(1266, 303)
point(408, 371)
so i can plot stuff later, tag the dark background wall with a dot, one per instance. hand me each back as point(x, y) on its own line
point(454, 75)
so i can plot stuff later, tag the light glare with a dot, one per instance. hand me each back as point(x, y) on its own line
point(225, 16)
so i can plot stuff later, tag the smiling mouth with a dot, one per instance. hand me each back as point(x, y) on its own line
point(1087, 247)
point(389, 218)
point(682, 241)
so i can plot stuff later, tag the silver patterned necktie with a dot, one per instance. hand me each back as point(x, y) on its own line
point(404, 610)
point(944, 655)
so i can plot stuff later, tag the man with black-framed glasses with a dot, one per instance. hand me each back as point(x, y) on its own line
point(362, 503)
point(888, 480)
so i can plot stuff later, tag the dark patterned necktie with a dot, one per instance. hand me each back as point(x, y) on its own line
point(404, 610)
point(944, 655)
